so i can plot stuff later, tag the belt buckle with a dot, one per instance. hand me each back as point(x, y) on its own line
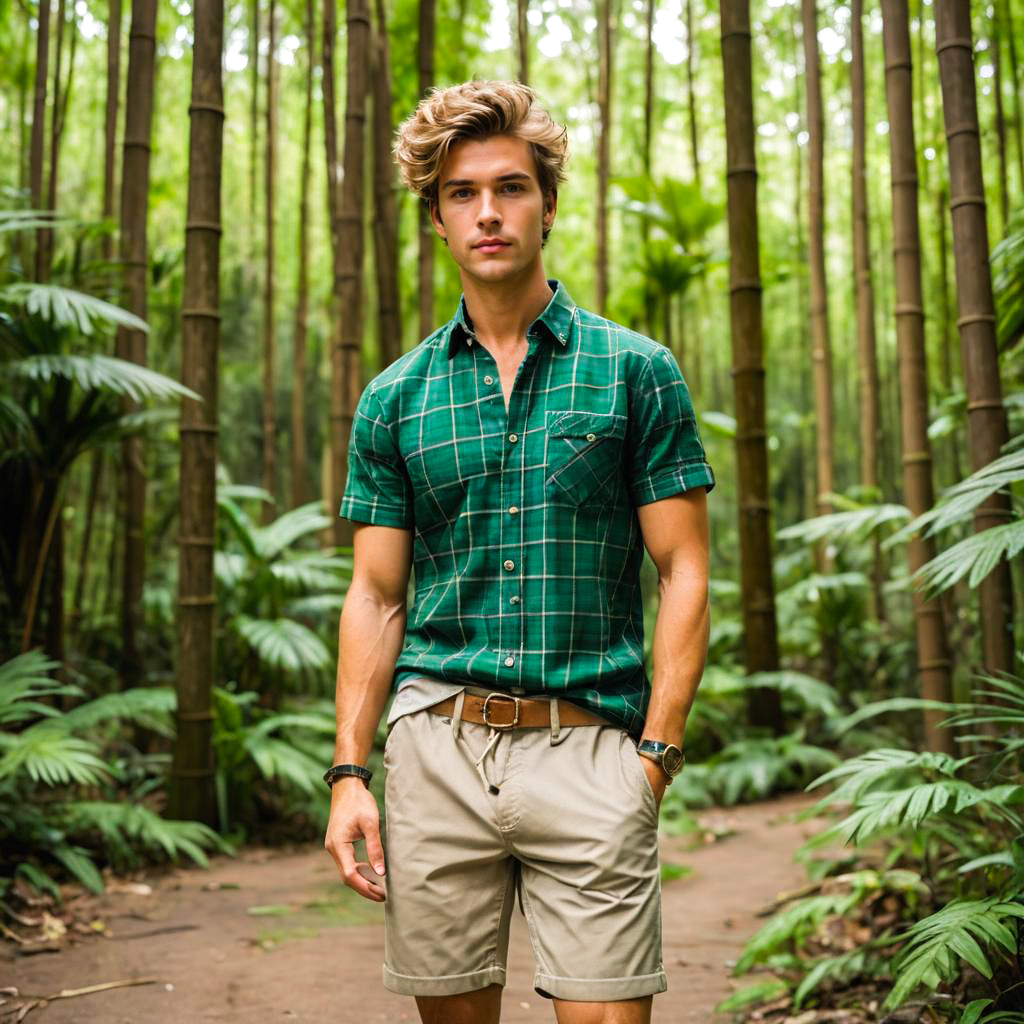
point(501, 725)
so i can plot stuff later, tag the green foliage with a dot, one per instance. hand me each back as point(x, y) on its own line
point(976, 555)
point(54, 770)
point(935, 946)
point(254, 747)
point(271, 590)
point(959, 823)
point(1008, 284)
point(59, 402)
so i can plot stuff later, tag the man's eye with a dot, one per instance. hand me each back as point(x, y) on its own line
point(514, 187)
point(460, 193)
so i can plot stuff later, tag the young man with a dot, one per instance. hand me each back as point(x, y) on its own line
point(519, 458)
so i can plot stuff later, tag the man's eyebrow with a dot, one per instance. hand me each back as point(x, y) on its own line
point(510, 176)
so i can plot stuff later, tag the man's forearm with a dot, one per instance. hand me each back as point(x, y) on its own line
point(370, 636)
point(680, 646)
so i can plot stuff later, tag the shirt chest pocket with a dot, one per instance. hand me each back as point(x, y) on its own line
point(583, 458)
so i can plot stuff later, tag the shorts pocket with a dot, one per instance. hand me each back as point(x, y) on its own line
point(583, 455)
point(629, 752)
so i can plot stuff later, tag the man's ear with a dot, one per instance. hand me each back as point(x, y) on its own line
point(435, 218)
point(550, 207)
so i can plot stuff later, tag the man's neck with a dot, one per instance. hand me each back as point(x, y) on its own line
point(502, 311)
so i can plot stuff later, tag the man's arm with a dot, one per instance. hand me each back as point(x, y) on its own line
point(370, 636)
point(677, 536)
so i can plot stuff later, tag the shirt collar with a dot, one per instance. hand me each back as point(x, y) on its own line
point(557, 318)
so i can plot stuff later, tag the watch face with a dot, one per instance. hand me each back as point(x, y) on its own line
point(672, 760)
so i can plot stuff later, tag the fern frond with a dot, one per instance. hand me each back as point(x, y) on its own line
point(125, 826)
point(956, 932)
point(148, 706)
point(974, 557)
point(25, 677)
point(908, 808)
point(49, 755)
point(867, 770)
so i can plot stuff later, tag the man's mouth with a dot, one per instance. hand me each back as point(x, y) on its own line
point(491, 245)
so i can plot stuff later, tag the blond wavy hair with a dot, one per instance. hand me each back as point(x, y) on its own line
point(476, 110)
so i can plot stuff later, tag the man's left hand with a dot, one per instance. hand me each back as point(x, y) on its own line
point(657, 777)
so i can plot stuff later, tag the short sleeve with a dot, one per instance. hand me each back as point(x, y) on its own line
point(667, 454)
point(378, 489)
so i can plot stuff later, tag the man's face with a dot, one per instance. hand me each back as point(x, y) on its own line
point(490, 209)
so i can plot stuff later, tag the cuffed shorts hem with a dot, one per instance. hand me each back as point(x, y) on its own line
point(600, 990)
point(446, 985)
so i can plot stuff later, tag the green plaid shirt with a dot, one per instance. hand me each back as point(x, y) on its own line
point(527, 548)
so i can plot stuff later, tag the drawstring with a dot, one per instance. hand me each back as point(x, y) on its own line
point(489, 787)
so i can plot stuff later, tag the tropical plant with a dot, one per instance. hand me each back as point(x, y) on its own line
point(59, 401)
point(956, 824)
point(287, 749)
point(68, 795)
point(270, 590)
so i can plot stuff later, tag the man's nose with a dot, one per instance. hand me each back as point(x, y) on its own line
point(488, 212)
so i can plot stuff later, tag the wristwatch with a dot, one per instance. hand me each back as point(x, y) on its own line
point(334, 773)
point(668, 755)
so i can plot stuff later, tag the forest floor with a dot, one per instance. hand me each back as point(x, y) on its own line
point(273, 935)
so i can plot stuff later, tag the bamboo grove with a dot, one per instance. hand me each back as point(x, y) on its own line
point(816, 205)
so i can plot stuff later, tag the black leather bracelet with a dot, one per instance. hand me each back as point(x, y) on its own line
point(334, 773)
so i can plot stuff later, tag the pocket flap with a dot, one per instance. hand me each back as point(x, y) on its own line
point(579, 423)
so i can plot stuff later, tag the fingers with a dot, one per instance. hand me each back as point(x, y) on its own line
point(349, 869)
point(374, 849)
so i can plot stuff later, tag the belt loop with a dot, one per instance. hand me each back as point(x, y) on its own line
point(556, 725)
point(460, 699)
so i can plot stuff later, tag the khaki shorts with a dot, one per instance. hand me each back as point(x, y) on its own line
point(573, 827)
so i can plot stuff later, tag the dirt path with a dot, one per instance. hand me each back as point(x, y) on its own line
point(315, 954)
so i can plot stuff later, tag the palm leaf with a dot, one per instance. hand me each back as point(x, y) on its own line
point(68, 308)
point(284, 643)
point(884, 707)
point(100, 373)
point(854, 524)
point(278, 759)
point(271, 540)
point(975, 556)
point(958, 502)
point(79, 862)
point(314, 571)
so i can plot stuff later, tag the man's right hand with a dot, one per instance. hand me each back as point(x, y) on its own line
point(354, 816)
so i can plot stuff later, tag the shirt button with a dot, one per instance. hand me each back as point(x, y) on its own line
point(509, 564)
point(591, 437)
point(488, 379)
point(514, 599)
point(513, 438)
point(513, 510)
point(510, 661)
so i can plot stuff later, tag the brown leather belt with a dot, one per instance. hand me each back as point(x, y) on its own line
point(507, 711)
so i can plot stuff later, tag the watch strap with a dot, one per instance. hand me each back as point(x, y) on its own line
point(335, 772)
